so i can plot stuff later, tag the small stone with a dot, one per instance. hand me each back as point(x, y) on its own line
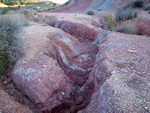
point(44, 66)
point(132, 51)
point(5, 82)
point(146, 108)
point(62, 93)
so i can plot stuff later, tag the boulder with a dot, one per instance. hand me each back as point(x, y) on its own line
point(37, 74)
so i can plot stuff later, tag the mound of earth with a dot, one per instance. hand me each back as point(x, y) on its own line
point(120, 76)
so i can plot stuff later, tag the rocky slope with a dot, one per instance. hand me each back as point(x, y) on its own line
point(95, 5)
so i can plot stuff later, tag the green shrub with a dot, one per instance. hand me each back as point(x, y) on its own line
point(147, 7)
point(4, 11)
point(10, 3)
point(135, 4)
point(111, 21)
point(45, 8)
point(90, 12)
point(46, 16)
point(10, 46)
point(138, 4)
point(28, 13)
point(126, 13)
point(128, 29)
point(18, 3)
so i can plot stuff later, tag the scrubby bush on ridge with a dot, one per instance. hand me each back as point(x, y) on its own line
point(126, 13)
point(130, 11)
point(4, 11)
point(128, 29)
point(138, 4)
point(10, 45)
point(112, 22)
point(28, 13)
point(113, 25)
point(90, 12)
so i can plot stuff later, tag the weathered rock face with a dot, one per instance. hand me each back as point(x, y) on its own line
point(121, 76)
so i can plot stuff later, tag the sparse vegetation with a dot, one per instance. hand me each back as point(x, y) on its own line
point(45, 8)
point(4, 11)
point(90, 12)
point(138, 4)
point(130, 11)
point(112, 22)
point(46, 16)
point(7, 9)
point(10, 46)
point(128, 29)
point(28, 14)
point(126, 13)
point(14, 2)
point(147, 7)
